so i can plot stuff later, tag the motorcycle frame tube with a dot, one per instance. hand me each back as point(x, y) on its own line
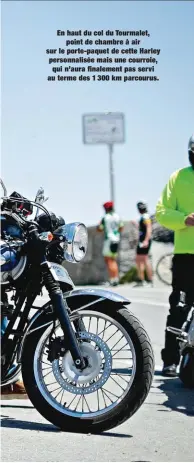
point(17, 333)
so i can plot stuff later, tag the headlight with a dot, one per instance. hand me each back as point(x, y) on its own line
point(75, 241)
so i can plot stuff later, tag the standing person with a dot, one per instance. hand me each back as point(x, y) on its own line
point(112, 226)
point(175, 210)
point(144, 243)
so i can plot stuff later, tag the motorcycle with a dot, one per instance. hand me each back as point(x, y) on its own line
point(185, 336)
point(86, 361)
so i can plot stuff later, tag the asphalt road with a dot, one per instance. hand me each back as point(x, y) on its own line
point(162, 429)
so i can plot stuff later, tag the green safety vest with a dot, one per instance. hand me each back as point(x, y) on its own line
point(175, 204)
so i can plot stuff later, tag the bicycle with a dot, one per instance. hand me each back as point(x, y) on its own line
point(164, 269)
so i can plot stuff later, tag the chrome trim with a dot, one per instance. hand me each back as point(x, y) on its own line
point(66, 234)
point(103, 293)
point(16, 273)
point(75, 311)
point(2, 260)
point(60, 274)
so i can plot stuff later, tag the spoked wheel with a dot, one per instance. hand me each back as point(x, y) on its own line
point(114, 384)
point(164, 269)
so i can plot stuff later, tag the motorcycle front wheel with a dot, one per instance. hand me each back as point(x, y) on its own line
point(112, 387)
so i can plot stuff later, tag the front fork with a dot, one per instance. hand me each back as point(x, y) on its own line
point(37, 252)
point(61, 309)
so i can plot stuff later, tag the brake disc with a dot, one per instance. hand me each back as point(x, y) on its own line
point(86, 381)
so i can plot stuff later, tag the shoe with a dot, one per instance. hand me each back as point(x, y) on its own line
point(169, 370)
point(139, 284)
point(149, 284)
point(114, 282)
point(13, 391)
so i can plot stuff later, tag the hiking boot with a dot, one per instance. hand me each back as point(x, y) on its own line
point(13, 391)
point(170, 370)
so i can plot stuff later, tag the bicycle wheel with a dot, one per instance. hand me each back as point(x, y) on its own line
point(164, 269)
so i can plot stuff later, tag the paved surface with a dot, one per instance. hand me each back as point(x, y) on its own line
point(162, 430)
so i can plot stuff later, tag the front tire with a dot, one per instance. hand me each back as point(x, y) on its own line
point(125, 408)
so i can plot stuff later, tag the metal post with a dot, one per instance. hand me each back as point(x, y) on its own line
point(111, 167)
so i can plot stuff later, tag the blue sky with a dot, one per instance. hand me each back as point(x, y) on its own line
point(41, 121)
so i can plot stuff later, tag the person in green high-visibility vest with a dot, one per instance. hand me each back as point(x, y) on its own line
point(175, 211)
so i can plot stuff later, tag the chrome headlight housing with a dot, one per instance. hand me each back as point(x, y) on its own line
point(74, 241)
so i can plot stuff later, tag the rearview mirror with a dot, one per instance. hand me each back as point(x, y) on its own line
point(3, 186)
point(40, 199)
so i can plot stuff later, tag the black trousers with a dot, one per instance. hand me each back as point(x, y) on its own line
point(182, 281)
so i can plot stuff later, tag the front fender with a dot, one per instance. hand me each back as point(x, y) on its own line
point(76, 299)
point(81, 298)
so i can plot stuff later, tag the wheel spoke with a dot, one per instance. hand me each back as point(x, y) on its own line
point(89, 324)
point(46, 368)
point(86, 403)
point(117, 383)
point(58, 392)
point(98, 399)
point(119, 350)
point(44, 376)
point(104, 397)
point(62, 396)
point(72, 401)
point(50, 384)
point(121, 371)
point(78, 403)
point(97, 325)
point(109, 392)
point(120, 376)
point(46, 363)
point(105, 328)
point(112, 335)
point(117, 342)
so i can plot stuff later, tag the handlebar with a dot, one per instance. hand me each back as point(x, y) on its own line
point(22, 220)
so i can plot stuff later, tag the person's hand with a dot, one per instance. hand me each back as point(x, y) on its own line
point(145, 244)
point(189, 221)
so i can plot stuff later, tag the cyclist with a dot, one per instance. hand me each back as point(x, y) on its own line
point(175, 210)
point(144, 244)
point(112, 226)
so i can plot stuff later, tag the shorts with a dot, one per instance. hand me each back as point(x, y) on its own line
point(143, 251)
point(110, 249)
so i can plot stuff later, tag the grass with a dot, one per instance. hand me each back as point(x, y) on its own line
point(130, 276)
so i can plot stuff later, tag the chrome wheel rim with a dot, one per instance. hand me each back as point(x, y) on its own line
point(108, 380)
